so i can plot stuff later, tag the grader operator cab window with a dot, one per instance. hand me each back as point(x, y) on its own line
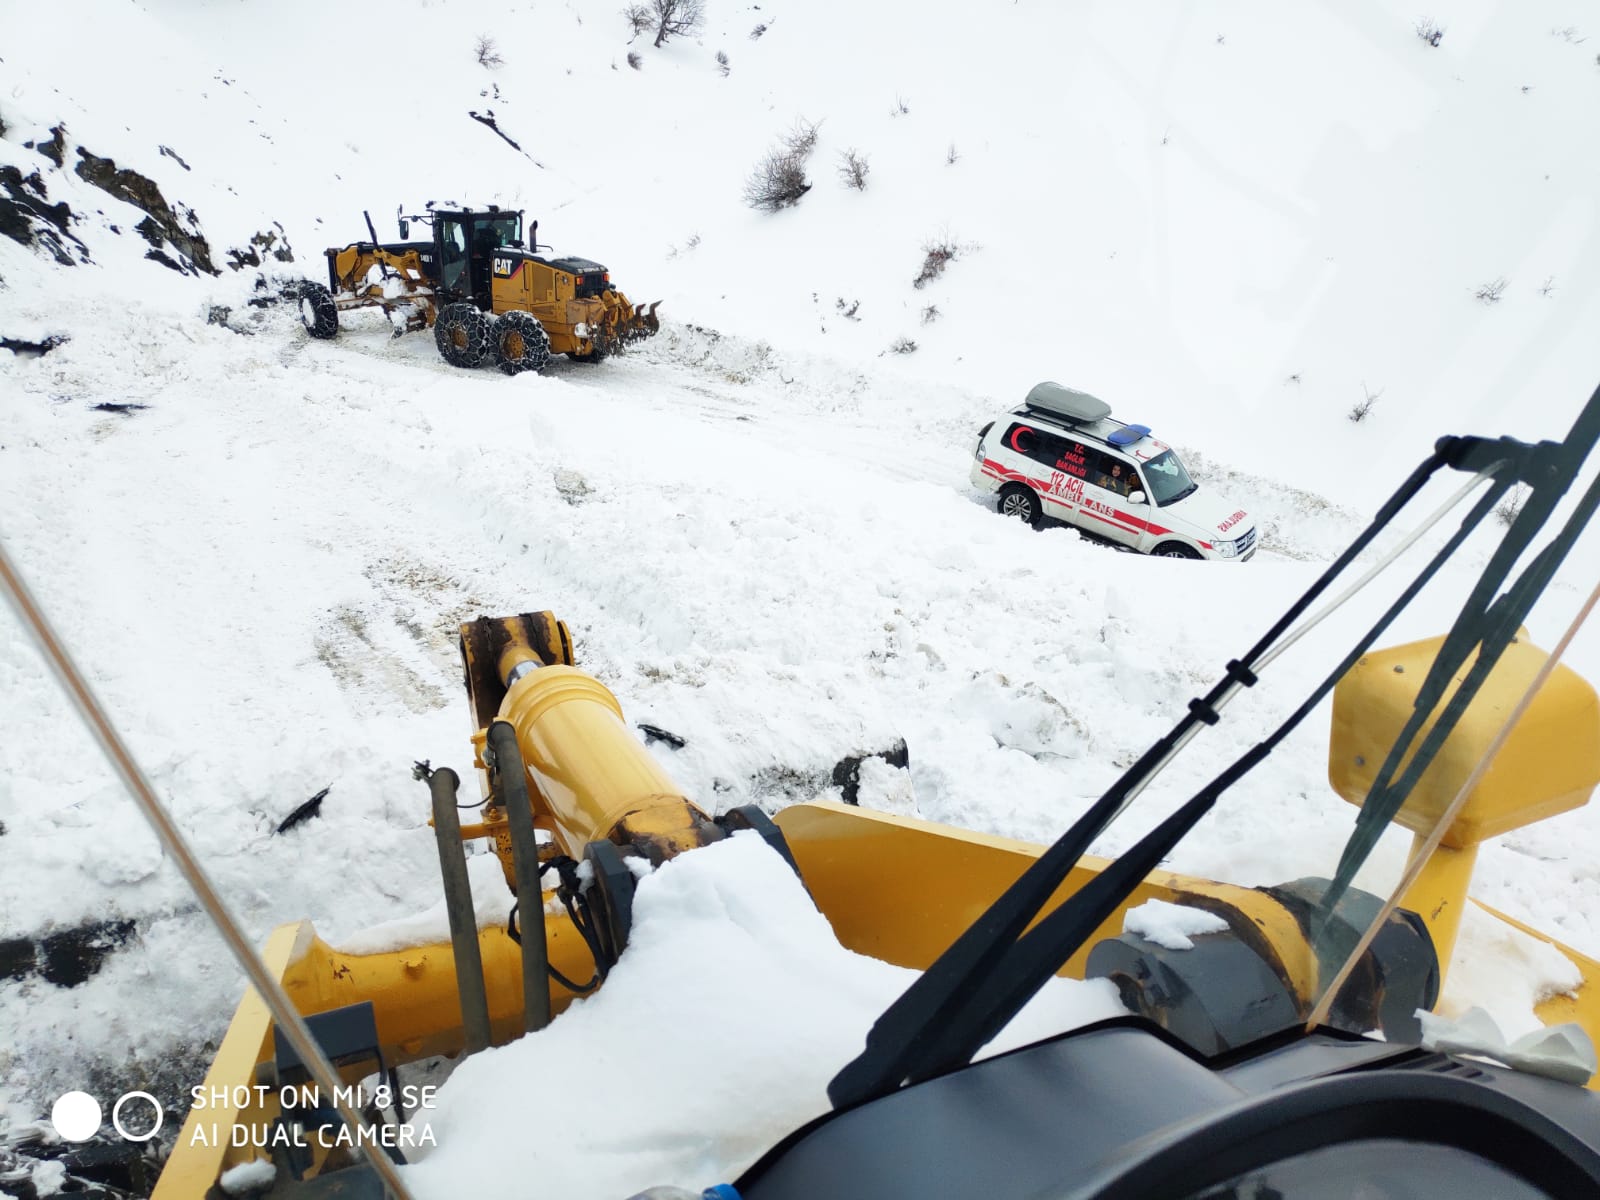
point(468, 242)
point(453, 260)
point(504, 230)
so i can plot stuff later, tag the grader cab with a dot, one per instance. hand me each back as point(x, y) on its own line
point(485, 293)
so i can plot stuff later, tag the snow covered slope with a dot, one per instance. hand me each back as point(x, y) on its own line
point(1227, 219)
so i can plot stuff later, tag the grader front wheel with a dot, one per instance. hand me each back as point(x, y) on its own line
point(318, 313)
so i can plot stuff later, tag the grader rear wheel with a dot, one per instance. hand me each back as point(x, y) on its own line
point(463, 335)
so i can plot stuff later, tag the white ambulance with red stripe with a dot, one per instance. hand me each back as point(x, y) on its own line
point(1061, 455)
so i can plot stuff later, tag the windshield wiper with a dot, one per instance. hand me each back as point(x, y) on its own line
point(1184, 494)
point(900, 1040)
point(969, 993)
point(1485, 626)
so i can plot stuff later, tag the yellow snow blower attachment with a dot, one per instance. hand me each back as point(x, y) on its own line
point(1248, 1049)
point(567, 782)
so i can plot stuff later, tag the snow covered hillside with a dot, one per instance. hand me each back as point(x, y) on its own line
point(1234, 221)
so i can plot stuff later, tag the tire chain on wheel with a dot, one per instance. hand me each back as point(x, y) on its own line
point(515, 327)
point(318, 313)
point(476, 335)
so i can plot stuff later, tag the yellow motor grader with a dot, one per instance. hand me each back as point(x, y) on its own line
point(485, 294)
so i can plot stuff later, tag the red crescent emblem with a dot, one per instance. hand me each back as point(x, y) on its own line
point(1016, 435)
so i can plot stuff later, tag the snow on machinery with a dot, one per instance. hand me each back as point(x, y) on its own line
point(487, 295)
point(1246, 1052)
point(559, 758)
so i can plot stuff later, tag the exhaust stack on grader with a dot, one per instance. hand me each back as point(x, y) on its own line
point(486, 295)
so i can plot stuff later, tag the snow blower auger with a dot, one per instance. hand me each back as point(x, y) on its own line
point(485, 295)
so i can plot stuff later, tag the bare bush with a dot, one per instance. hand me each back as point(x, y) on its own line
point(635, 61)
point(1430, 31)
point(639, 18)
point(802, 139)
point(900, 107)
point(757, 32)
point(1548, 286)
point(853, 170)
point(848, 311)
point(778, 182)
point(722, 63)
point(930, 314)
point(1511, 507)
point(1491, 292)
point(1359, 413)
point(689, 245)
point(937, 255)
point(677, 18)
point(902, 345)
point(1569, 34)
point(952, 156)
point(487, 52)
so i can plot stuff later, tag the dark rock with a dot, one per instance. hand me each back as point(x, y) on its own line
point(113, 1162)
point(654, 733)
point(56, 148)
point(28, 217)
point(267, 242)
point(17, 958)
point(173, 155)
point(847, 772)
point(180, 228)
point(112, 407)
point(31, 350)
point(311, 808)
point(67, 958)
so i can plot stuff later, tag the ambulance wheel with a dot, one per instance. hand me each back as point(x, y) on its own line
point(1175, 550)
point(1020, 502)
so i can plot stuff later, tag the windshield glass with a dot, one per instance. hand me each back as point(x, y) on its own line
point(507, 229)
point(1167, 479)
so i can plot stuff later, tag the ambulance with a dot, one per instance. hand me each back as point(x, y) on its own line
point(1061, 456)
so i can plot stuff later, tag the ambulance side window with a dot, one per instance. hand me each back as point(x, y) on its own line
point(1116, 475)
point(1033, 443)
point(1076, 459)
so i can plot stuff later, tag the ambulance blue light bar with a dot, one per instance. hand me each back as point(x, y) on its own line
point(1128, 435)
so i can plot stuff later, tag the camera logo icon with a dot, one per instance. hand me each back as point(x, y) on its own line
point(77, 1116)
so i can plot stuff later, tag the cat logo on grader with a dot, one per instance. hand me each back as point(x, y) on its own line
point(483, 291)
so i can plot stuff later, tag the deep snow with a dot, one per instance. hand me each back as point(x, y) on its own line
point(1228, 220)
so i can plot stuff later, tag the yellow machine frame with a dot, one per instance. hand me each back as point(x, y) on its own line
point(896, 888)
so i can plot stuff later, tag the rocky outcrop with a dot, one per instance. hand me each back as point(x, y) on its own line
point(271, 243)
point(163, 226)
point(171, 228)
point(847, 771)
point(27, 216)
